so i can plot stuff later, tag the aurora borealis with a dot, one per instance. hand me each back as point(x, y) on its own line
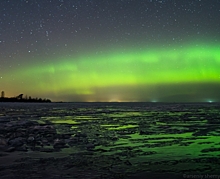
point(120, 50)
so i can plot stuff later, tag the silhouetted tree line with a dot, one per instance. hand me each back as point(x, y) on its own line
point(26, 99)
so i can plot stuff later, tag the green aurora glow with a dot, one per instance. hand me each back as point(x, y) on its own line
point(135, 74)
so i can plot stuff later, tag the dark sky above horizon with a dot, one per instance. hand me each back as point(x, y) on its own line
point(111, 50)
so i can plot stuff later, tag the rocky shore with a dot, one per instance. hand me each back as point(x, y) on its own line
point(108, 142)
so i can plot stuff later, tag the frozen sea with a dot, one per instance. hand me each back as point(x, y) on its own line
point(137, 139)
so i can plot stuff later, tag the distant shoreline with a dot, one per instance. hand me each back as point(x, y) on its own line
point(32, 100)
point(145, 102)
point(15, 100)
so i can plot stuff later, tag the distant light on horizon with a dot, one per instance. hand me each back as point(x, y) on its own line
point(154, 101)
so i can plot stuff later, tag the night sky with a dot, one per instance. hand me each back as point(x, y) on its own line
point(111, 50)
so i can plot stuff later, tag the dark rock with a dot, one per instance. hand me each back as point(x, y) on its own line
point(3, 154)
point(46, 150)
point(79, 134)
point(10, 149)
point(47, 129)
point(50, 137)
point(90, 146)
point(3, 142)
point(142, 132)
point(35, 148)
point(66, 136)
point(59, 144)
point(71, 142)
point(210, 150)
point(4, 119)
point(101, 150)
point(3, 130)
point(3, 147)
point(30, 139)
point(17, 142)
point(45, 142)
point(127, 162)
point(22, 148)
point(114, 138)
